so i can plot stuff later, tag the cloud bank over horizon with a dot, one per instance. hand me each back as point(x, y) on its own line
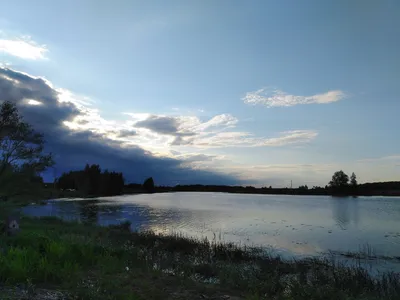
point(142, 146)
point(50, 111)
point(174, 149)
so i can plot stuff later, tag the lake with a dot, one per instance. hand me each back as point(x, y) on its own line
point(290, 225)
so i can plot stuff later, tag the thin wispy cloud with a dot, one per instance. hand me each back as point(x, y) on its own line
point(201, 160)
point(246, 139)
point(291, 137)
point(389, 158)
point(24, 48)
point(278, 98)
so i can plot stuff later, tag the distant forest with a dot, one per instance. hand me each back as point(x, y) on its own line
point(340, 185)
point(367, 189)
point(92, 181)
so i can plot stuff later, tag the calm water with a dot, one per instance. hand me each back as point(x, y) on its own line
point(292, 225)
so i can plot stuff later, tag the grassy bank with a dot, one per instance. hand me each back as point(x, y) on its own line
point(78, 261)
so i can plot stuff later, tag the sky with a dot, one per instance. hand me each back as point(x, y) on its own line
point(225, 92)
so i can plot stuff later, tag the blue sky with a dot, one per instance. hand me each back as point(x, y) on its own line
point(265, 91)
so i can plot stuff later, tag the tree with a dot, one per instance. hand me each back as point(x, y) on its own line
point(339, 179)
point(21, 152)
point(148, 185)
point(353, 179)
point(92, 181)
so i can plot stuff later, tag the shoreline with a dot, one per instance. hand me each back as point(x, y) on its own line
point(49, 192)
point(266, 193)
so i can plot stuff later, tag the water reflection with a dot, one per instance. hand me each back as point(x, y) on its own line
point(88, 211)
point(345, 211)
point(296, 225)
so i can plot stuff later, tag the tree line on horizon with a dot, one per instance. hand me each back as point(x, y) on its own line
point(92, 181)
point(340, 185)
point(23, 160)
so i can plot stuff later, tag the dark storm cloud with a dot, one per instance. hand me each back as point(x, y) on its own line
point(200, 157)
point(168, 126)
point(163, 125)
point(83, 122)
point(179, 141)
point(73, 149)
point(18, 88)
point(126, 133)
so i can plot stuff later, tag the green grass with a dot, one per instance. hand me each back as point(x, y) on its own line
point(92, 262)
point(87, 262)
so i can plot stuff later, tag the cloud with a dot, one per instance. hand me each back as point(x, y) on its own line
point(390, 158)
point(25, 90)
point(217, 132)
point(291, 137)
point(23, 48)
point(181, 126)
point(225, 120)
point(245, 139)
point(182, 129)
point(140, 146)
point(163, 125)
point(126, 133)
point(276, 98)
point(77, 135)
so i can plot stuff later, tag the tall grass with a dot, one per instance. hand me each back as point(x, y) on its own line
point(105, 263)
point(259, 273)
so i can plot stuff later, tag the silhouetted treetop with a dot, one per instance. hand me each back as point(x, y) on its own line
point(353, 179)
point(148, 185)
point(339, 179)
